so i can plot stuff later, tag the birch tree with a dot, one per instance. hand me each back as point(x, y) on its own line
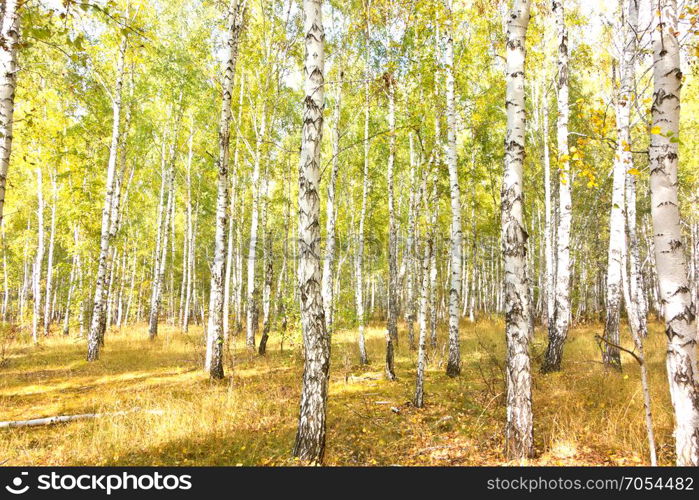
point(359, 252)
point(425, 263)
point(214, 330)
point(98, 309)
point(519, 439)
point(558, 328)
point(39, 259)
point(331, 214)
point(411, 250)
point(310, 437)
point(9, 41)
point(454, 361)
point(670, 259)
point(251, 319)
point(628, 95)
point(391, 327)
point(49, 264)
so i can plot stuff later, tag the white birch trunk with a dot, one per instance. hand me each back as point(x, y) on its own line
point(6, 282)
point(214, 329)
point(550, 271)
point(190, 237)
point(38, 261)
point(411, 251)
point(49, 264)
point(331, 214)
point(310, 437)
point(74, 269)
point(268, 272)
point(251, 320)
point(617, 243)
point(519, 441)
point(391, 328)
point(98, 310)
point(640, 355)
point(425, 259)
point(558, 328)
point(670, 259)
point(359, 257)
point(454, 362)
point(9, 39)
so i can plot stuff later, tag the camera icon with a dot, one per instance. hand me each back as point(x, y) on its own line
point(16, 487)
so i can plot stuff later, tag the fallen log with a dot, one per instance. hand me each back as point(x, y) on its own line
point(59, 419)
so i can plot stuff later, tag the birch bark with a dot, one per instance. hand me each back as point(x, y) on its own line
point(558, 328)
point(9, 39)
point(519, 442)
point(214, 330)
point(454, 360)
point(391, 329)
point(38, 261)
point(49, 263)
point(670, 260)
point(331, 215)
point(98, 309)
point(310, 437)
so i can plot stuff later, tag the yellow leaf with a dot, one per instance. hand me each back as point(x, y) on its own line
point(655, 130)
point(634, 171)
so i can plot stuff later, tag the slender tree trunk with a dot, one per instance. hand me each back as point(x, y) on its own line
point(232, 224)
point(310, 438)
point(49, 265)
point(190, 237)
point(173, 238)
point(411, 251)
point(628, 70)
point(229, 265)
point(71, 282)
point(132, 285)
point(558, 328)
point(122, 283)
point(161, 260)
point(9, 40)
point(617, 243)
point(519, 440)
point(109, 296)
point(331, 214)
point(548, 232)
point(214, 329)
point(675, 294)
point(391, 329)
point(185, 269)
point(251, 322)
point(38, 261)
point(640, 356)
point(454, 362)
point(425, 260)
point(6, 281)
point(433, 274)
point(98, 311)
point(268, 274)
point(359, 258)
point(161, 225)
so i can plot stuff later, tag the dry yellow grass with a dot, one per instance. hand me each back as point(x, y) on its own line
point(583, 415)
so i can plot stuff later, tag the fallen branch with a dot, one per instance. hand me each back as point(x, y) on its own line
point(602, 339)
point(69, 418)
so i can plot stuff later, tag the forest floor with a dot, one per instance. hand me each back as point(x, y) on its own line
point(584, 415)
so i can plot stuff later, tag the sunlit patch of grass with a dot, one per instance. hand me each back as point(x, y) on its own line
point(583, 415)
